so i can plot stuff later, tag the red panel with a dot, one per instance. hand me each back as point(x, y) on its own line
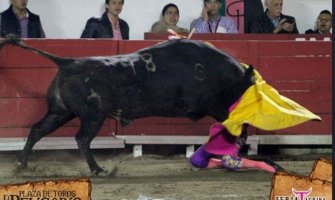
point(25, 82)
point(168, 126)
point(289, 48)
point(17, 112)
point(301, 85)
point(296, 68)
point(253, 54)
point(314, 95)
point(306, 80)
point(24, 112)
point(309, 128)
point(242, 37)
point(131, 46)
point(239, 49)
point(77, 47)
point(317, 101)
point(16, 57)
point(61, 132)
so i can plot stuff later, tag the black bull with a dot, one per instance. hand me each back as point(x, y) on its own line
point(177, 78)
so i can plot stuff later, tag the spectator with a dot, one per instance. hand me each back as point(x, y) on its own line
point(273, 21)
point(168, 20)
point(211, 21)
point(252, 10)
point(18, 20)
point(109, 25)
point(323, 23)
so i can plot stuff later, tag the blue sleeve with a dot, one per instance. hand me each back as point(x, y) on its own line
point(200, 26)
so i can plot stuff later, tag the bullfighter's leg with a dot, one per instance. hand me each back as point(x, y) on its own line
point(203, 159)
point(47, 125)
point(88, 130)
point(236, 163)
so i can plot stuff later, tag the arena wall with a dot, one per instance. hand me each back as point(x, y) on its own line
point(300, 70)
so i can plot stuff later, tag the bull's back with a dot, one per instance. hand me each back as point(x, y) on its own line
point(178, 78)
point(193, 63)
point(189, 77)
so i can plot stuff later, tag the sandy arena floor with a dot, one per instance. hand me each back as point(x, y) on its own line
point(152, 176)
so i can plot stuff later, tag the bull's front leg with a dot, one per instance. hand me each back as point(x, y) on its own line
point(87, 132)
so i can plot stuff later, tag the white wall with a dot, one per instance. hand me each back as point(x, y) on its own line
point(67, 18)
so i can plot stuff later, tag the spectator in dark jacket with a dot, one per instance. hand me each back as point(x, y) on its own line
point(109, 25)
point(323, 23)
point(18, 20)
point(252, 10)
point(273, 21)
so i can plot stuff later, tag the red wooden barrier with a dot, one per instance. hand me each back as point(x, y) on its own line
point(25, 77)
point(240, 37)
point(299, 70)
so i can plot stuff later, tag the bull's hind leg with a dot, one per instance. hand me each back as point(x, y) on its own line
point(88, 130)
point(47, 125)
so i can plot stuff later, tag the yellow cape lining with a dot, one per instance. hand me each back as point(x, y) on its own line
point(263, 107)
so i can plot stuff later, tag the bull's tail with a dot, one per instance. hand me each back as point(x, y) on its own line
point(13, 40)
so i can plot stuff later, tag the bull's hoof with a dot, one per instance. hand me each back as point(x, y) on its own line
point(20, 166)
point(105, 173)
point(99, 172)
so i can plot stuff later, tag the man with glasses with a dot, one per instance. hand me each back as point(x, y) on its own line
point(211, 21)
point(273, 20)
point(323, 23)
